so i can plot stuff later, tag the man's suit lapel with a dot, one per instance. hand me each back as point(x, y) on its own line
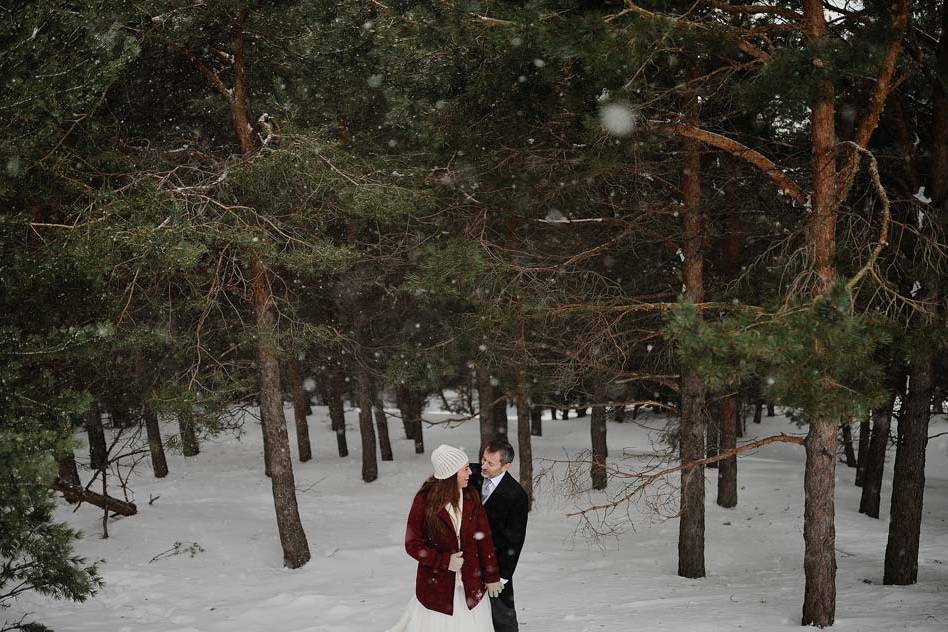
point(500, 486)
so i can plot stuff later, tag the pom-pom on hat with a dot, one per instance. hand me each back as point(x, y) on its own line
point(447, 461)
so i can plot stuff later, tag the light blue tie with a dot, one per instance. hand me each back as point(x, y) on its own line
point(486, 489)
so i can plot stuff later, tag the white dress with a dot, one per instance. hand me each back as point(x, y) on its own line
point(417, 618)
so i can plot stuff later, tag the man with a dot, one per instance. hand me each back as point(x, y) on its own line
point(507, 505)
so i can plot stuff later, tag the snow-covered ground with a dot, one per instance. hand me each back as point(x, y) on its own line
point(360, 578)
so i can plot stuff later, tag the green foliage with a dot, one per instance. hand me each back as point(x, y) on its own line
point(815, 358)
point(36, 553)
point(58, 59)
point(448, 267)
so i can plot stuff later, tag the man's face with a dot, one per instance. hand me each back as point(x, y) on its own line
point(491, 465)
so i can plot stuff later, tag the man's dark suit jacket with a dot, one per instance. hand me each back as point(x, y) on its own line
point(507, 508)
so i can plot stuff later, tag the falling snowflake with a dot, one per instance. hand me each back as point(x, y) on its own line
point(618, 119)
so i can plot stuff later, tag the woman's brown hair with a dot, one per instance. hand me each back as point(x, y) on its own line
point(440, 493)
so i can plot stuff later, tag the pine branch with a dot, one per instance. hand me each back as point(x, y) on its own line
point(649, 479)
point(738, 150)
point(884, 85)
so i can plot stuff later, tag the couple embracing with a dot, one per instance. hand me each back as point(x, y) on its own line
point(466, 528)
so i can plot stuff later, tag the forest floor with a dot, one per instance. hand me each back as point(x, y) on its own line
point(360, 578)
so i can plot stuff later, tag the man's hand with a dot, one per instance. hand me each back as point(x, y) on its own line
point(494, 589)
point(457, 561)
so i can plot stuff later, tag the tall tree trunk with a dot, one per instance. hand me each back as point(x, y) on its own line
point(370, 465)
point(848, 448)
point(819, 530)
point(819, 525)
point(190, 446)
point(757, 410)
point(337, 413)
point(500, 417)
point(485, 404)
point(875, 461)
point(524, 435)
point(98, 451)
point(536, 421)
point(770, 410)
point(381, 424)
point(301, 408)
point(727, 472)
point(600, 450)
point(159, 464)
point(864, 435)
point(282, 482)
point(908, 481)
point(691, 434)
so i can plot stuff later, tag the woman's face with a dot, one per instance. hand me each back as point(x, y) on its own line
point(463, 475)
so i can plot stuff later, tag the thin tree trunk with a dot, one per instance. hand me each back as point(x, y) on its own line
point(712, 431)
point(417, 405)
point(691, 439)
point(98, 452)
point(727, 472)
point(485, 402)
point(370, 465)
point(337, 414)
point(908, 481)
point(819, 526)
point(381, 424)
point(267, 452)
point(159, 464)
point(190, 446)
point(739, 422)
point(770, 410)
point(524, 435)
point(875, 461)
point(536, 421)
point(618, 413)
point(848, 444)
point(401, 402)
point(500, 417)
point(301, 409)
point(864, 435)
point(292, 537)
point(757, 410)
point(600, 450)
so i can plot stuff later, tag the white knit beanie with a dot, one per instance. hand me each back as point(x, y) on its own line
point(447, 461)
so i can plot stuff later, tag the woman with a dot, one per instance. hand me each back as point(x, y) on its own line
point(449, 535)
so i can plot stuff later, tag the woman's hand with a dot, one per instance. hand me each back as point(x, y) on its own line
point(494, 589)
point(457, 561)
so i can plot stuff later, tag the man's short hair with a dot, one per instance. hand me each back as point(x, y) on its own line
point(502, 447)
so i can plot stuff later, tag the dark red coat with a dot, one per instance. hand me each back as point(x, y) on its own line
point(434, 583)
